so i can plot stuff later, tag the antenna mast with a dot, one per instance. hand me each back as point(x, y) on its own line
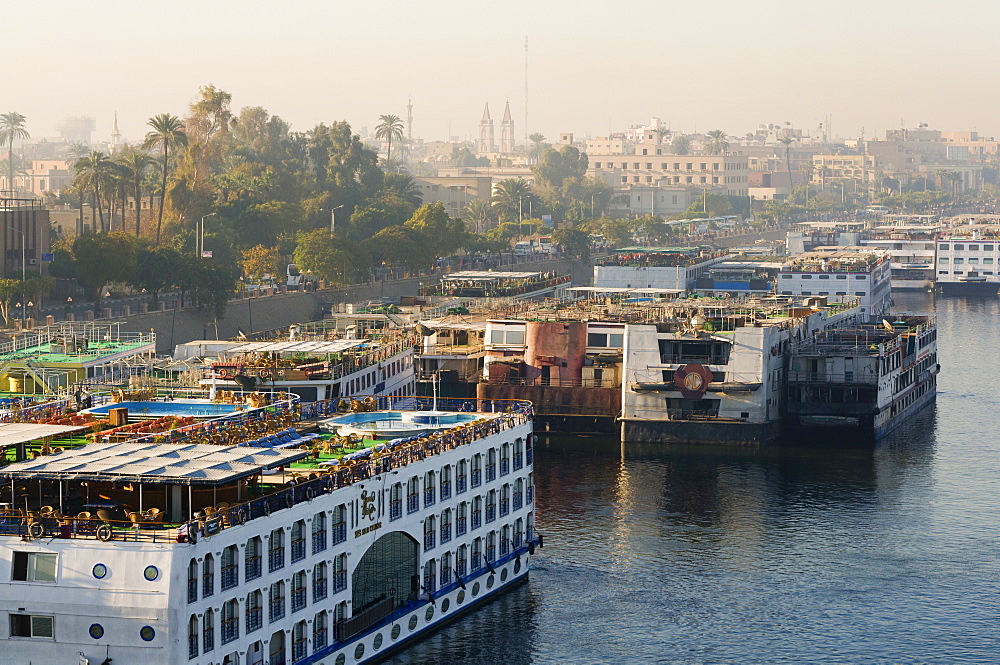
point(526, 90)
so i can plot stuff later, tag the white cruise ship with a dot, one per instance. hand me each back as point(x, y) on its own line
point(251, 555)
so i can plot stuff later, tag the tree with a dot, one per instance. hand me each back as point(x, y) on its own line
point(537, 139)
point(167, 132)
point(709, 204)
point(478, 215)
point(680, 145)
point(554, 167)
point(9, 290)
point(463, 156)
point(158, 269)
point(399, 246)
point(385, 210)
point(444, 235)
point(135, 162)
point(259, 261)
point(95, 267)
point(390, 127)
point(574, 241)
point(717, 142)
point(95, 172)
point(332, 259)
point(12, 128)
point(508, 198)
point(403, 186)
point(787, 141)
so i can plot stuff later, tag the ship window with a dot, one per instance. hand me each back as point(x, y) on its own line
point(841, 276)
point(786, 277)
point(958, 261)
point(861, 277)
point(30, 625)
point(959, 247)
point(973, 248)
point(841, 293)
point(807, 276)
point(987, 248)
point(860, 293)
point(943, 245)
point(943, 259)
point(824, 277)
point(34, 567)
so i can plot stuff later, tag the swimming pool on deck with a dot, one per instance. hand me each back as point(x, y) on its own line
point(194, 408)
point(394, 424)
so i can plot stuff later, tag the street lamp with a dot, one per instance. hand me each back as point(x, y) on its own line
point(201, 234)
point(333, 218)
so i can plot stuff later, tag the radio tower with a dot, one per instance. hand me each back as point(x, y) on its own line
point(526, 90)
point(409, 118)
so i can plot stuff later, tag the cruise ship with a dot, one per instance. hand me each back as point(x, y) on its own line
point(859, 382)
point(242, 547)
point(967, 259)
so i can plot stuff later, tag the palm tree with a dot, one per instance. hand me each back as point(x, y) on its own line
point(508, 197)
point(168, 131)
point(477, 215)
point(135, 162)
point(538, 139)
point(390, 127)
point(787, 141)
point(717, 142)
point(94, 172)
point(11, 128)
point(403, 186)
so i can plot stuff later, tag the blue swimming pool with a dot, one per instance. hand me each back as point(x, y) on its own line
point(197, 409)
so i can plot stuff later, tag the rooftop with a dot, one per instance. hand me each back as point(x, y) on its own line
point(165, 463)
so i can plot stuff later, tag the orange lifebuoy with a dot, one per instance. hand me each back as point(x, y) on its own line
point(226, 373)
point(264, 374)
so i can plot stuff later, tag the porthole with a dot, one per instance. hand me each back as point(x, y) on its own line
point(460, 598)
point(429, 614)
point(490, 581)
point(475, 589)
point(445, 604)
point(517, 566)
point(377, 642)
point(151, 573)
point(147, 633)
point(413, 622)
point(96, 631)
point(341, 659)
point(100, 571)
point(359, 652)
point(394, 634)
point(503, 575)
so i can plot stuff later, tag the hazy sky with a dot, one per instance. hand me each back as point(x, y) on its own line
point(727, 64)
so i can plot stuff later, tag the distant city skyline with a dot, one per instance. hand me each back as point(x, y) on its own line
point(867, 66)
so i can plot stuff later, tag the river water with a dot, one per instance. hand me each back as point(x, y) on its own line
point(666, 554)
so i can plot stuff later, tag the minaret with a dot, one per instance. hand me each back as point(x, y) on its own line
point(507, 132)
point(487, 141)
point(116, 136)
point(409, 119)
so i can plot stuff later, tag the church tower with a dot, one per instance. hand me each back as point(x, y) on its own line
point(487, 142)
point(507, 132)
